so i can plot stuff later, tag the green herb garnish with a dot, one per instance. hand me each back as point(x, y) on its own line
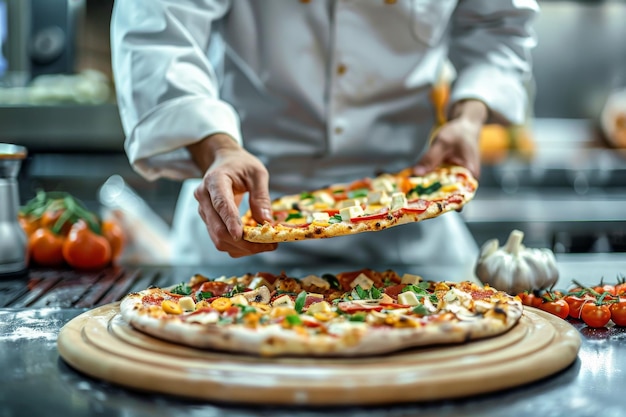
point(420, 189)
point(203, 295)
point(361, 192)
point(335, 219)
point(236, 290)
point(293, 319)
point(181, 289)
point(306, 195)
point(360, 316)
point(294, 216)
point(300, 299)
point(421, 310)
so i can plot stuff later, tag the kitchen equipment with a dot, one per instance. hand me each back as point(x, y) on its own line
point(12, 237)
point(38, 37)
point(100, 344)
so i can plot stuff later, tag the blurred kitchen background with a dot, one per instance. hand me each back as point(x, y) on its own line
point(561, 178)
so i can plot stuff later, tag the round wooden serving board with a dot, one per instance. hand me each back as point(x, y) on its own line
point(100, 344)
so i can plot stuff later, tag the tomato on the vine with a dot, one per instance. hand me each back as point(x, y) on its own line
point(559, 307)
point(114, 233)
point(618, 312)
point(608, 288)
point(46, 248)
point(576, 304)
point(595, 315)
point(84, 249)
point(530, 299)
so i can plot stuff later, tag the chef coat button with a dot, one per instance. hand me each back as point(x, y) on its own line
point(305, 1)
point(341, 69)
point(338, 130)
point(390, 1)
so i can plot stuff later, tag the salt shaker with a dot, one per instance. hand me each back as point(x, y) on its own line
point(13, 259)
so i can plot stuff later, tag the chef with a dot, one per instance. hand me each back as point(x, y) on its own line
point(246, 100)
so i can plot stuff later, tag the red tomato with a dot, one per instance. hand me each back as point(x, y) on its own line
point(374, 216)
point(559, 308)
point(46, 248)
point(530, 299)
point(618, 313)
point(83, 249)
point(620, 289)
point(595, 315)
point(576, 303)
point(114, 233)
point(217, 288)
point(418, 206)
point(605, 288)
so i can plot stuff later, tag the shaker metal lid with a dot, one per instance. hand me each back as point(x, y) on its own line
point(10, 151)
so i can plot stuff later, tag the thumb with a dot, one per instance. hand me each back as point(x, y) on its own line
point(433, 157)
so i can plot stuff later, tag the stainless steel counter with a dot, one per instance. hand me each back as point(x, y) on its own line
point(36, 381)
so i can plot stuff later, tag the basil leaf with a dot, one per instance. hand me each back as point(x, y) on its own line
point(420, 189)
point(421, 310)
point(293, 319)
point(360, 316)
point(300, 299)
point(375, 292)
point(361, 192)
point(306, 195)
point(335, 219)
point(236, 290)
point(417, 290)
point(203, 295)
point(246, 309)
point(363, 294)
point(293, 216)
point(181, 289)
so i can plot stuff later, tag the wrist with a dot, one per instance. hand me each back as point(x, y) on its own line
point(474, 111)
point(204, 152)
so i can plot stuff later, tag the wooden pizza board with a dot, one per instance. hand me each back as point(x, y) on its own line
point(100, 344)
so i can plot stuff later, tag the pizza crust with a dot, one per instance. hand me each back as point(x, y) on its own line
point(276, 233)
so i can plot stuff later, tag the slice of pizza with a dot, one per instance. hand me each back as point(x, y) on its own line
point(366, 205)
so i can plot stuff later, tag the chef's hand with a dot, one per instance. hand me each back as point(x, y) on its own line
point(230, 172)
point(457, 141)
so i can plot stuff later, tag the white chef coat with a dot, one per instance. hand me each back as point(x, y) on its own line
point(321, 91)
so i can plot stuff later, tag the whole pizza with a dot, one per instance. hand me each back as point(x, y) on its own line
point(356, 313)
point(365, 205)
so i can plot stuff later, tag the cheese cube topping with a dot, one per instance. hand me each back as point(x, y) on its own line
point(348, 213)
point(239, 299)
point(382, 184)
point(408, 298)
point(410, 279)
point(320, 307)
point(258, 282)
point(378, 197)
point(321, 217)
point(349, 203)
point(187, 303)
point(324, 197)
point(283, 301)
point(317, 281)
point(363, 281)
point(398, 200)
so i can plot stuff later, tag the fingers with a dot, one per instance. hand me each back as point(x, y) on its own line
point(260, 204)
point(454, 144)
point(218, 230)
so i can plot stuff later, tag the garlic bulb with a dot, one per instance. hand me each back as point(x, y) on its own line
point(513, 268)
